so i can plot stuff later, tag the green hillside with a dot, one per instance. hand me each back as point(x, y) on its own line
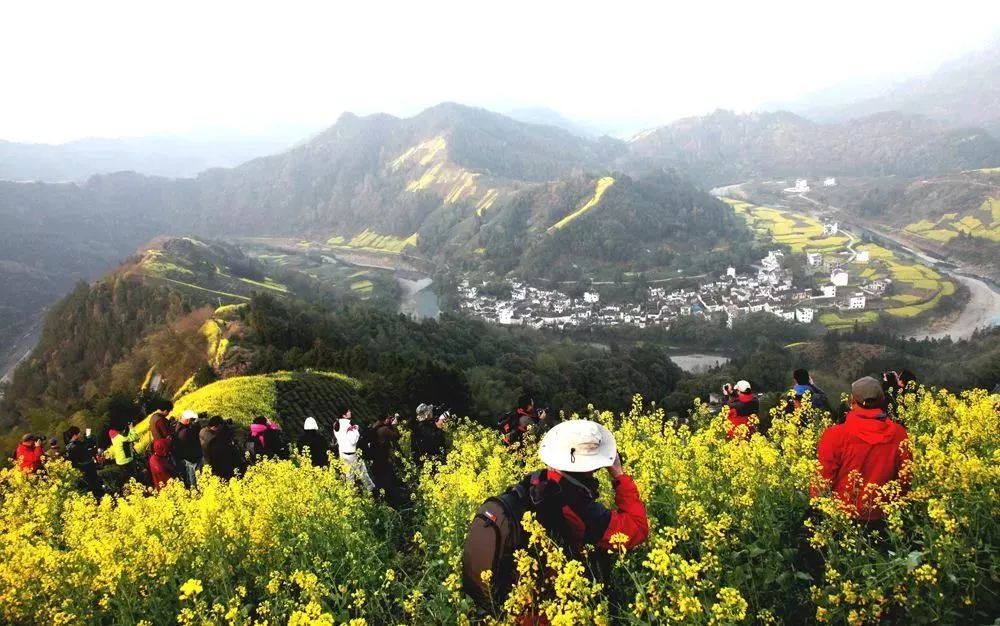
point(288, 397)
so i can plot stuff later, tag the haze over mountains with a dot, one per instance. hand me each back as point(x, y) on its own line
point(541, 196)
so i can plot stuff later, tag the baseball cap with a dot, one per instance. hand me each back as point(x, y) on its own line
point(188, 414)
point(867, 392)
point(743, 386)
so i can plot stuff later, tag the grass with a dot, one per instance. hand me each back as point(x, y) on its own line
point(268, 283)
point(602, 186)
point(190, 286)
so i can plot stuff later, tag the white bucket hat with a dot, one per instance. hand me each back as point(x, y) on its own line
point(188, 414)
point(310, 424)
point(578, 446)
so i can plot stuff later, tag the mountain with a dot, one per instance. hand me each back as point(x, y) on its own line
point(154, 156)
point(726, 147)
point(550, 117)
point(962, 93)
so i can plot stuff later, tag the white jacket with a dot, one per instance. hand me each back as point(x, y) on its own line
point(347, 436)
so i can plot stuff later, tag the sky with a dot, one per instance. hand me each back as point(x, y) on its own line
point(76, 69)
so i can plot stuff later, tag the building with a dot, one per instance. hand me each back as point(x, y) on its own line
point(831, 228)
point(862, 257)
point(830, 181)
point(829, 291)
point(839, 278)
point(805, 315)
point(814, 259)
point(730, 272)
point(591, 297)
point(801, 186)
point(857, 301)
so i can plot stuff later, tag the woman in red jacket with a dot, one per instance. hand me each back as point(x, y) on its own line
point(29, 454)
point(161, 468)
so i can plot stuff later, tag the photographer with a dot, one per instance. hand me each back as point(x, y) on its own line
point(524, 420)
point(743, 403)
point(30, 453)
point(81, 452)
point(219, 448)
point(385, 437)
point(428, 436)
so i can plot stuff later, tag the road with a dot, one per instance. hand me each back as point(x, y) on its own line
point(21, 349)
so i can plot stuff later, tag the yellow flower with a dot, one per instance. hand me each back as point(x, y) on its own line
point(190, 589)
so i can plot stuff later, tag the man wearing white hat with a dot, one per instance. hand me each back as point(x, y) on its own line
point(187, 447)
point(742, 404)
point(573, 451)
point(317, 445)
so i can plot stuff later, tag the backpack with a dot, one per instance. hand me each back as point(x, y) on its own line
point(366, 441)
point(508, 425)
point(252, 450)
point(493, 536)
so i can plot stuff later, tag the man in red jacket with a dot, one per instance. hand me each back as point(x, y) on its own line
point(865, 452)
point(573, 451)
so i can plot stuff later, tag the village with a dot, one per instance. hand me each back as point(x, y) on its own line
point(825, 285)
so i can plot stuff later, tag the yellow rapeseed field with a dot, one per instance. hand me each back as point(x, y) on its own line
point(731, 525)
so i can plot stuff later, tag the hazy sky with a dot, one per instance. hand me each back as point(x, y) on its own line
point(73, 69)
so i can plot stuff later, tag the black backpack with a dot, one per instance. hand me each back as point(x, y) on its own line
point(494, 535)
point(508, 425)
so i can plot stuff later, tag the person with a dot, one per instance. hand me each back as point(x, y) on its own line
point(123, 451)
point(29, 454)
point(385, 442)
point(526, 418)
point(53, 451)
point(161, 468)
point(265, 440)
point(218, 448)
point(187, 447)
point(894, 386)
point(428, 436)
point(572, 452)
point(803, 384)
point(347, 436)
point(742, 405)
point(865, 452)
point(565, 499)
point(318, 447)
point(159, 421)
point(81, 453)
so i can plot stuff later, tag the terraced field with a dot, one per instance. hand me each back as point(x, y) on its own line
point(602, 186)
point(374, 242)
point(983, 223)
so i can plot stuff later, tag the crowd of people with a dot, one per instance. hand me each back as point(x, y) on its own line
point(866, 449)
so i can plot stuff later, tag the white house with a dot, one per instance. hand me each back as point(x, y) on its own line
point(839, 278)
point(730, 272)
point(801, 186)
point(814, 259)
point(862, 257)
point(831, 228)
point(805, 315)
point(829, 291)
point(591, 297)
point(857, 301)
point(830, 181)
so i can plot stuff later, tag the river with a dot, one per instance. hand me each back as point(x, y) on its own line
point(982, 311)
point(419, 300)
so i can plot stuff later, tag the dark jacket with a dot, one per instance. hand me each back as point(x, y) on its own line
point(187, 443)
point(220, 452)
point(574, 513)
point(159, 426)
point(318, 447)
point(428, 443)
point(384, 444)
point(80, 454)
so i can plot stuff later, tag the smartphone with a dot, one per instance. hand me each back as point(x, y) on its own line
point(88, 432)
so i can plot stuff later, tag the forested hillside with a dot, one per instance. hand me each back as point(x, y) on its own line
point(726, 147)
